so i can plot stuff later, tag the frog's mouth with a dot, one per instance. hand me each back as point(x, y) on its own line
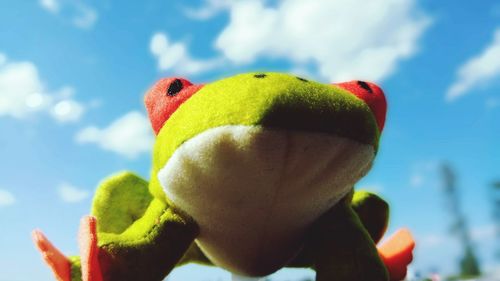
point(253, 189)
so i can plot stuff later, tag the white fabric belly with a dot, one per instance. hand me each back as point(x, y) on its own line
point(254, 191)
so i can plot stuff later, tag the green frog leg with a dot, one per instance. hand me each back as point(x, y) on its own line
point(119, 201)
point(140, 238)
point(373, 212)
point(137, 237)
point(342, 248)
point(150, 248)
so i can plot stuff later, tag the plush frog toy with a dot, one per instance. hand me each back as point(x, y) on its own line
point(251, 173)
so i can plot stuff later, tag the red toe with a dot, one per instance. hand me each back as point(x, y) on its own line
point(91, 270)
point(397, 253)
point(59, 263)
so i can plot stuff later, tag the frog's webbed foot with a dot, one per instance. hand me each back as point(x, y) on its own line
point(58, 263)
point(89, 251)
point(397, 253)
point(148, 250)
point(64, 268)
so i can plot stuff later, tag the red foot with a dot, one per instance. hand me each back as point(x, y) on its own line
point(60, 264)
point(87, 239)
point(396, 253)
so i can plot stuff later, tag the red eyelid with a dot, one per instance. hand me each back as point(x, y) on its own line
point(161, 106)
point(372, 95)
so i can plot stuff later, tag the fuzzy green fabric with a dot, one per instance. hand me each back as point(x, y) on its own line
point(76, 274)
point(370, 208)
point(343, 250)
point(274, 100)
point(150, 247)
point(119, 201)
point(375, 220)
point(373, 211)
point(142, 236)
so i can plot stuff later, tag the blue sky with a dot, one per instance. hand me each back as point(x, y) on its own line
point(73, 74)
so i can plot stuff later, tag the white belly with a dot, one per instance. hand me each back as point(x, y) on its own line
point(255, 191)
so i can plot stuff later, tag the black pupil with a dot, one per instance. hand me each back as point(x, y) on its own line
point(365, 86)
point(174, 88)
point(260, 75)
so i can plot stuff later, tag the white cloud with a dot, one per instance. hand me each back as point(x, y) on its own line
point(129, 135)
point(24, 93)
point(211, 8)
point(6, 198)
point(478, 70)
point(344, 39)
point(175, 57)
point(67, 111)
point(425, 174)
point(80, 14)
point(86, 17)
point(432, 240)
point(71, 194)
point(492, 103)
point(52, 6)
point(416, 180)
point(191, 272)
point(484, 232)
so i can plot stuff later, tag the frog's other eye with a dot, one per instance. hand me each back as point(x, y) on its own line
point(176, 86)
point(372, 95)
point(163, 99)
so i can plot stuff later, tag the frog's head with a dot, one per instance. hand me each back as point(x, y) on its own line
point(180, 111)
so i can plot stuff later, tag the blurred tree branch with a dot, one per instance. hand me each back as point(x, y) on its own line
point(469, 265)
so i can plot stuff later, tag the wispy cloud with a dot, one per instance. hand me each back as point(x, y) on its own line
point(478, 70)
point(86, 17)
point(24, 93)
point(6, 198)
point(313, 32)
point(484, 232)
point(174, 56)
point(430, 241)
point(211, 8)
point(50, 5)
point(129, 135)
point(492, 103)
point(424, 174)
point(78, 12)
point(71, 194)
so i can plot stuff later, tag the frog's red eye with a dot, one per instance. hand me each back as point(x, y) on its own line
point(372, 95)
point(163, 99)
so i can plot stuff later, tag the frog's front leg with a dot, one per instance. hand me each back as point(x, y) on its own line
point(373, 212)
point(342, 248)
point(132, 237)
point(150, 248)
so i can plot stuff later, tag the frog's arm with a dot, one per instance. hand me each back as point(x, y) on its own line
point(119, 201)
point(342, 248)
point(125, 249)
point(150, 247)
point(372, 211)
